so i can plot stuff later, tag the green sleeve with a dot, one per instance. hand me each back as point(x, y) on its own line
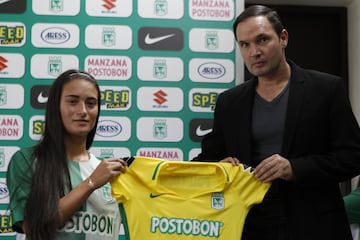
point(352, 206)
point(18, 180)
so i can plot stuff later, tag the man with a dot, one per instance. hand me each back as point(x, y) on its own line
point(296, 127)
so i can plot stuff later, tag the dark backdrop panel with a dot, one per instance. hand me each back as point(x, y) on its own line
point(317, 37)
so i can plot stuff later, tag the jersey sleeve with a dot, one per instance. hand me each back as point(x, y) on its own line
point(18, 178)
point(352, 206)
point(251, 190)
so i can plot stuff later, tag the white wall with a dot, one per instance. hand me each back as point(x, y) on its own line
point(354, 55)
point(240, 4)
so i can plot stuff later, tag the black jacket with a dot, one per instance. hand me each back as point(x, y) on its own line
point(321, 140)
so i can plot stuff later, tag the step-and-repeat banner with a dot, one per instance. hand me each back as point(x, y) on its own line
point(160, 63)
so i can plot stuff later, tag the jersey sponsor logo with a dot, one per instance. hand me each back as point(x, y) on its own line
point(86, 222)
point(159, 38)
point(153, 195)
point(12, 6)
point(199, 127)
point(39, 96)
point(11, 96)
point(12, 34)
point(11, 127)
point(183, 226)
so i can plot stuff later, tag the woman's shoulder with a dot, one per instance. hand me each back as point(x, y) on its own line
point(27, 153)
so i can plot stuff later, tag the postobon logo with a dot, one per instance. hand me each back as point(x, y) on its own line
point(183, 226)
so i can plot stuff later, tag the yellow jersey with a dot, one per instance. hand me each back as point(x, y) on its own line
point(162, 199)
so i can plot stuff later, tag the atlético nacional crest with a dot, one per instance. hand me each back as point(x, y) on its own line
point(217, 200)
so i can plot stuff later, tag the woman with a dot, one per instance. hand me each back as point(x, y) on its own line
point(58, 190)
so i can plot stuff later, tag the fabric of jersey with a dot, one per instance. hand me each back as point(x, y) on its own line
point(98, 218)
point(161, 199)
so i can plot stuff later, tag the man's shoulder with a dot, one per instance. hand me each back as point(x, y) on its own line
point(308, 73)
point(244, 87)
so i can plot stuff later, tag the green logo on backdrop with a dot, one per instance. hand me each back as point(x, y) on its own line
point(3, 96)
point(211, 40)
point(161, 7)
point(108, 37)
point(160, 128)
point(159, 69)
point(54, 66)
point(56, 5)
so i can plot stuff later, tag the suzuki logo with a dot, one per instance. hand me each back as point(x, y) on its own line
point(109, 4)
point(3, 62)
point(160, 97)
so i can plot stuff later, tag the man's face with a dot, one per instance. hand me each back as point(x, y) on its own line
point(260, 46)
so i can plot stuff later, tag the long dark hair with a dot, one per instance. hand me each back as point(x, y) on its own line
point(260, 10)
point(51, 178)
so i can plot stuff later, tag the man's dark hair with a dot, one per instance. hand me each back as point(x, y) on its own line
point(260, 10)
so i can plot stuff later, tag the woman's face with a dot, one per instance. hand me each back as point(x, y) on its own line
point(79, 107)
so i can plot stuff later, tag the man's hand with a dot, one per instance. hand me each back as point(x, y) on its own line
point(272, 168)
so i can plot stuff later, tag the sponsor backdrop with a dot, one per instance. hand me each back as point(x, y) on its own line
point(161, 65)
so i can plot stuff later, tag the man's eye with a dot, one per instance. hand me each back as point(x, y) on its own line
point(243, 45)
point(263, 40)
